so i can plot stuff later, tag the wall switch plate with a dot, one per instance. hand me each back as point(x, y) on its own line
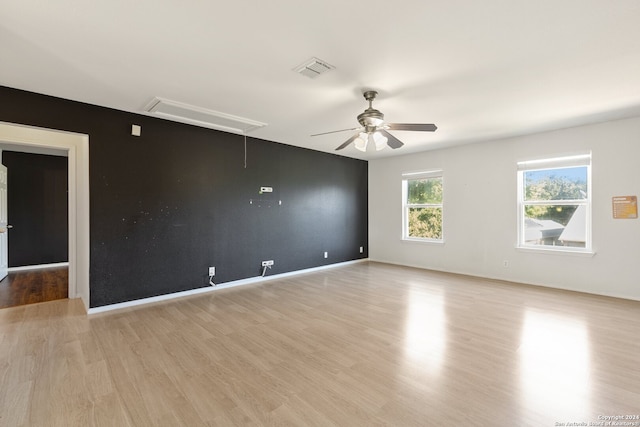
point(267, 263)
point(212, 271)
point(136, 130)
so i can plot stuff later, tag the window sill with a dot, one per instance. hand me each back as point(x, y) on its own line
point(549, 251)
point(422, 241)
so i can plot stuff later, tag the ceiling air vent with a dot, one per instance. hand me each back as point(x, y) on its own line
point(313, 68)
point(185, 113)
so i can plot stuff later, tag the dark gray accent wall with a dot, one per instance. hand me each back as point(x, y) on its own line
point(168, 204)
point(37, 208)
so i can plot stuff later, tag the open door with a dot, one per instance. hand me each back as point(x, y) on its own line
point(4, 227)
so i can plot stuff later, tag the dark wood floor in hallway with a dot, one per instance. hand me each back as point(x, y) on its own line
point(34, 286)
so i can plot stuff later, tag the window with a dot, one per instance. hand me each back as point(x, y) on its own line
point(554, 204)
point(422, 206)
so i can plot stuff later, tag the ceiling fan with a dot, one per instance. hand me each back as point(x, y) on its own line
point(374, 129)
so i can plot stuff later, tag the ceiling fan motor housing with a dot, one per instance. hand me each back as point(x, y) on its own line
point(371, 119)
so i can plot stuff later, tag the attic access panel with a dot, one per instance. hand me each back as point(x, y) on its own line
point(191, 114)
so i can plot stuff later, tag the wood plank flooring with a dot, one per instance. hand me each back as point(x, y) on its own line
point(363, 345)
point(34, 286)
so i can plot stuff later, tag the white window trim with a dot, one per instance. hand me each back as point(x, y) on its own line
point(406, 176)
point(555, 163)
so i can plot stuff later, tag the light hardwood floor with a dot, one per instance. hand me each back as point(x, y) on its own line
point(363, 345)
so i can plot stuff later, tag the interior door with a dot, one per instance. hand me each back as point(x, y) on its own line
point(4, 227)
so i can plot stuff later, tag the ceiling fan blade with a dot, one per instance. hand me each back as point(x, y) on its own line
point(392, 141)
point(347, 142)
point(335, 131)
point(420, 127)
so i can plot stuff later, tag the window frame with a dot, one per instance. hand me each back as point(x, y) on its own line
point(580, 160)
point(412, 176)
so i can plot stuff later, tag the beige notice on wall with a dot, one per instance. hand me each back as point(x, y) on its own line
point(625, 207)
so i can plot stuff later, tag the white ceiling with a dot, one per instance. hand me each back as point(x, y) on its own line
point(480, 70)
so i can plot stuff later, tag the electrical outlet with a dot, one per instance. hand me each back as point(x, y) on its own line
point(267, 263)
point(326, 254)
point(212, 271)
point(505, 263)
point(361, 249)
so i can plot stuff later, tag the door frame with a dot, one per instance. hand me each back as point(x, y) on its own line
point(77, 147)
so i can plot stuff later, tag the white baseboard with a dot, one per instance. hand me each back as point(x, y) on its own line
point(512, 281)
point(250, 280)
point(38, 267)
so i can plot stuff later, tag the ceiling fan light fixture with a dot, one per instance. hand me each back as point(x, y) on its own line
point(379, 140)
point(361, 142)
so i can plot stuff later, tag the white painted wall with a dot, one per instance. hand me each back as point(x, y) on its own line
point(480, 211)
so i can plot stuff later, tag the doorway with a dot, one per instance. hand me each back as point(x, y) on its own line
point(38, 227)
point(27, 139)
